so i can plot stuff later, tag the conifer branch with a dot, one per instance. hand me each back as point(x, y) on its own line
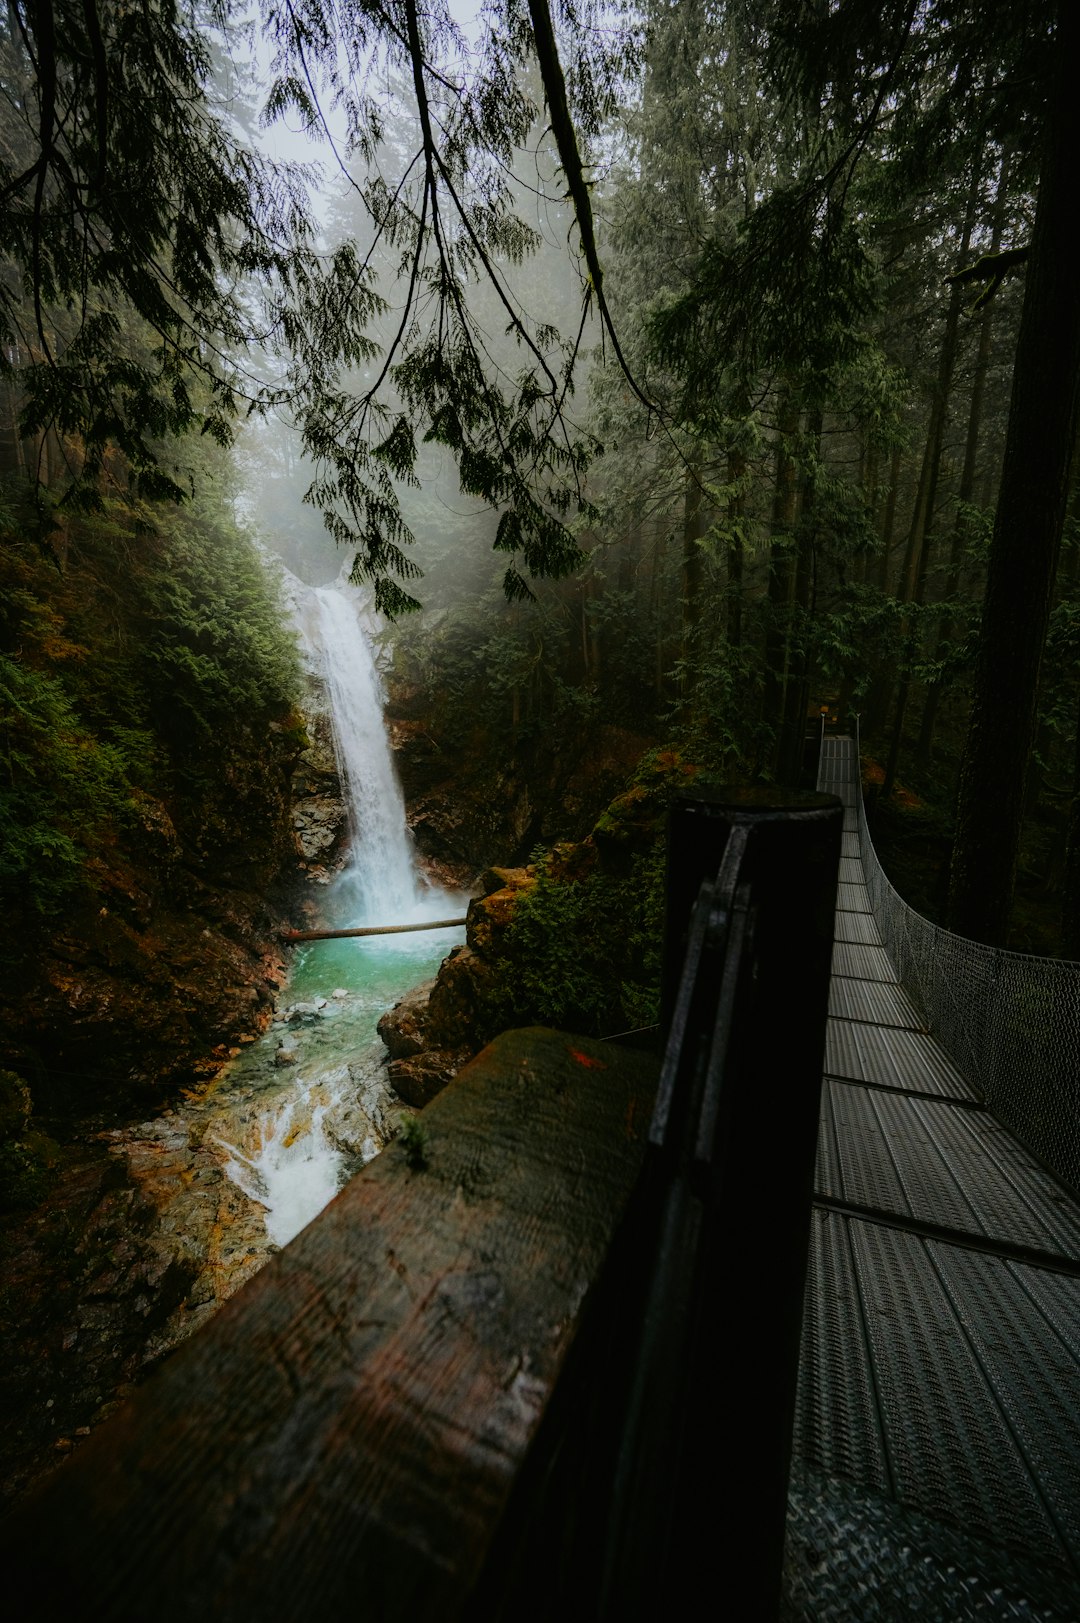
point(991, 269)
point(562, 128)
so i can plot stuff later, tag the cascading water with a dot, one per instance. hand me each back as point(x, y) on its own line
point(379, 884)
point(296, 1144)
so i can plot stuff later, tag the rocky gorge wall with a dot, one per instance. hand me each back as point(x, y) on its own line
point(491, 800)
point(170, 966)
point(122, 1232)
point(585, 955)
point(170, 956)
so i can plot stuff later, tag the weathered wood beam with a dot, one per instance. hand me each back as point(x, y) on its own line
point(341, 1441)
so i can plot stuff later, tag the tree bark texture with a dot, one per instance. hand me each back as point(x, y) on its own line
point(693, 559)
point(966, 489)
point(781, 569)
point(797, 696)
point(736, 509)
point(917, 555)
point(1027, 529)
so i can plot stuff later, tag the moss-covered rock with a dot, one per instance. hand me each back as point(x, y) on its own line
point(28, 1158)
point(151, 730)
point(571, 940)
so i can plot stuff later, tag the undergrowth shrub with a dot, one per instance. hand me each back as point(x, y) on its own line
point(141, 653)
point(584, 947)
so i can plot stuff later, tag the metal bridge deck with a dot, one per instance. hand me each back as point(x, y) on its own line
point(938, 1432)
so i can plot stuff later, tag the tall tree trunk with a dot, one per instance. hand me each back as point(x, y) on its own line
point(962, 527)
point(869, 477)
point(693, 568)
point(880, 689)
point(658, 608)
point(596, 637)
point(583, 598)
point(736, 472)
point(797, 698)
point(888, 521)
point(869, 472)
point(781, 572)
point(1027, 528)
point(917, 556)
point(1070, 901)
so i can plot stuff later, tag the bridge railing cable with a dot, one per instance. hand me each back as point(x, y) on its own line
point(1010, 1021)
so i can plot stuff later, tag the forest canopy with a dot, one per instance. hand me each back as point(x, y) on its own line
point(809, 242)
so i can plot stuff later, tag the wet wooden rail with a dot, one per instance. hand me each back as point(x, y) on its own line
point(343, 1438)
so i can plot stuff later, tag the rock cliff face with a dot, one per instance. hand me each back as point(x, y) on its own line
point(432, 1032)
point(168, 957)
point(603, 897)
point(119, 1231)
point(320, 817)
point(487, 812)
point(493, 803)
point(140, 1240)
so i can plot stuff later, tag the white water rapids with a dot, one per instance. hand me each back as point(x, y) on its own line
point(298, 1141)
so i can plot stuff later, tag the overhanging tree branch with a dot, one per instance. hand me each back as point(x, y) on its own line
point(562, 127)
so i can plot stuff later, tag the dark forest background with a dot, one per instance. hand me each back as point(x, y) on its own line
point(717, 371)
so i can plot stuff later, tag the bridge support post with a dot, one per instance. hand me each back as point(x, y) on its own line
point(701, 1485)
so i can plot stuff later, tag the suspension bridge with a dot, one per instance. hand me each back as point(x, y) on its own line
point(940, 1366)
point(421, 1407)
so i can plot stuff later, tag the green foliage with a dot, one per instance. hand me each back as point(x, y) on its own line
point(414, 1143)
point(719, 726)
point(583, 949)
point(142, 663)
point(59, 789)
point(131, 212)
point(158, 257)
point(213, 637)
point(556, 667)
point(584, 953)
point(553, 941)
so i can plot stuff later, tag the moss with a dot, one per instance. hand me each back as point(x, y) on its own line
point(139, 666)
point(582, 949)
point(635, 819)
point(27, 1170)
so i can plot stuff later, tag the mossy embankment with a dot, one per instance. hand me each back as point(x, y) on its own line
point(572, 939)
point(148, 732)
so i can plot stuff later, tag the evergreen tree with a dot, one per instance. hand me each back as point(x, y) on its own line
point(1027, 527)
point(126, 190)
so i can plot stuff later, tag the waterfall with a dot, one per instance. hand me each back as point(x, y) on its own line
point(285, 1149)
point(379, 885)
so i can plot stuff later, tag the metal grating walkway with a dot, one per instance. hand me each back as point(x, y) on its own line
point(939, 1391)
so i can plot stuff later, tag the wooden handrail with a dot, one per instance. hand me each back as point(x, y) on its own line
point(344, 1438)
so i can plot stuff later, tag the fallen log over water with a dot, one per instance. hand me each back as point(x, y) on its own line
point(370, 929)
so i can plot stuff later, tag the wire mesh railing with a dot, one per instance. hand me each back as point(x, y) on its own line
point(1010, 1021)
